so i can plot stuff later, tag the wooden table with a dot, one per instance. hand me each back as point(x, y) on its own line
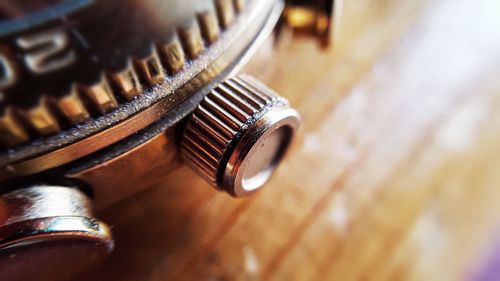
point(395, 175)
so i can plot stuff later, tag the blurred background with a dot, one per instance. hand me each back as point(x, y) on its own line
point(395, 175)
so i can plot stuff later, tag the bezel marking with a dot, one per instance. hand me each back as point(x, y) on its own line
point(239, 5)
point(209, 26)
point(127, 82)
point(100, 99)
point(192, 41)
point(150, 68)
point(72, 107)
point(186, 43)
point(173, 55)
point(11, 131)
point(100, 95)
point(225, 12)
point(41, 119)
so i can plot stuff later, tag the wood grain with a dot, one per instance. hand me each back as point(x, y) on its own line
point(394, 177)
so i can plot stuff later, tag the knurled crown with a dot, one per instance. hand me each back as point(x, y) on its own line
point(229, 114)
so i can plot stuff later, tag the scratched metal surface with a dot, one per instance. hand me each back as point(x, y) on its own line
point(394, 177)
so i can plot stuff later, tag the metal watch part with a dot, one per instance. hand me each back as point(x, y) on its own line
point(186, 81)
point(93, 56)
point(47, 232)
point(238, 134)
point(317, 18)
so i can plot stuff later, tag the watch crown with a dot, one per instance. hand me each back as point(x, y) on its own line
point(238, 134)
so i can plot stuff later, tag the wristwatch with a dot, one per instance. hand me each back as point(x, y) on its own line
point(98, 99)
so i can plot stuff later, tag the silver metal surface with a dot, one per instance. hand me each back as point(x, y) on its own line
point(238, 135)
point(260, 150)
point(48, 233)
point(262, 159)
point(44, 201)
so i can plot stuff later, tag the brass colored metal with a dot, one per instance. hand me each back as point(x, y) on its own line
point(239, 5)
point(11, 132)
point(85, 146)
point(118, 177)
point(41, 119)
point(72, 107)
point(191, 37)
point(209, 26)
point(100, 95)
point(318, 18)
point(302, 18)
point(238, 134)
point(173, 55)
point(128, 82)
point(225, 11)
point(150, 68)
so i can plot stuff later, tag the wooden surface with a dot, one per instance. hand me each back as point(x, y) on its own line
point(395, 175)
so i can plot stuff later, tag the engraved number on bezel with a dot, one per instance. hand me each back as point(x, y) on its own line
point(43, 52)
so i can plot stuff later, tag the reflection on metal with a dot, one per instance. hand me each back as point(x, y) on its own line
point(49, 229)
point(132, 171)
point(238, 134)
point(100, 95)
point(72, 107)
point(41, 119)
point(319, 18)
